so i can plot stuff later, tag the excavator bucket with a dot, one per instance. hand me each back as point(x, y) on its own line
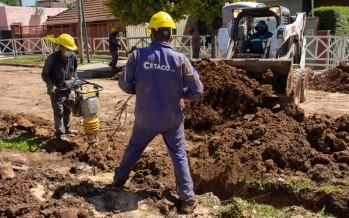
point(284, 77)
point(260, 66)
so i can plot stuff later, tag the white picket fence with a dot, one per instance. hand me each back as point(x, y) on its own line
point(326, 51)
point(182, 44)
point(321, 51)
point(24, 46)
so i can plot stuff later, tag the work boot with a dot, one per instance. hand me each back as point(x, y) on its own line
point(119, 183)
point(188, 206)
point(72, 132)
point(64, 138)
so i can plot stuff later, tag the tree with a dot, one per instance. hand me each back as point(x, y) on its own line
point(210, 12)
point(134, 12)
point(10, 2)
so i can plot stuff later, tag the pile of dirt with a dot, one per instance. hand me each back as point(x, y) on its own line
point(332, 80)
point(244, 142)
point(18, 198)
point(228, 93)
point(105, 155)
point(234, 140)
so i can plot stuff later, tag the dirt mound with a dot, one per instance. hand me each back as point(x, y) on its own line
point(268, 146)
point(237, 146)
point(333, 80)
point(18, 198)
point(228, 93)
point(244, 141)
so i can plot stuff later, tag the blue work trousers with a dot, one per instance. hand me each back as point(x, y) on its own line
point(174, 140)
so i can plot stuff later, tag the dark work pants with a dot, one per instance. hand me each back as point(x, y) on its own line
point(196, 52)
point(175, 142)
point(114, 60)
point(61, 113)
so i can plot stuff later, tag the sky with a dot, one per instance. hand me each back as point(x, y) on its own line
point(28, 2)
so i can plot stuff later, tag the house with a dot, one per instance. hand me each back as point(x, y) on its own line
point(24, 22)
point(99, 20)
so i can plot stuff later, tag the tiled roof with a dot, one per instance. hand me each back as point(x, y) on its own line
point(94, 11)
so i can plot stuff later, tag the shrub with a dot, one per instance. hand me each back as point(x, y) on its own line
point(334, 18)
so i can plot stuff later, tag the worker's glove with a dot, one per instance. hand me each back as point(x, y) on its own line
point(53, 90)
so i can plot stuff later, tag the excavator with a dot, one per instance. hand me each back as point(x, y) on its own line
point(284, 53)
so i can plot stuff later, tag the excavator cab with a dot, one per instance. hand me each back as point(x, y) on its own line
point(245, 21)
point(282, 55)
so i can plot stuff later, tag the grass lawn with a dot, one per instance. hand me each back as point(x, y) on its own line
point(24, 59)
point(22, 142)
point(41, 59)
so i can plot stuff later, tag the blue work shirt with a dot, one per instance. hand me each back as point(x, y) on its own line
point(160, 77)
point(256, 40)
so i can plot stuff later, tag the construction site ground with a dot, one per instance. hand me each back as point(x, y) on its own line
point(237, 147)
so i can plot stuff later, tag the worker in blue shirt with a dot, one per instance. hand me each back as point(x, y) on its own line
point(260, 37)
point(160, 77)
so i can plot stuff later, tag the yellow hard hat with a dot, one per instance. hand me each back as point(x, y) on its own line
point(161, 20)
point(66, 41)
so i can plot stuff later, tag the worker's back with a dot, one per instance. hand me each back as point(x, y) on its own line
point(162, 77)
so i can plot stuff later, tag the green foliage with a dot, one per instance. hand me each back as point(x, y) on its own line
point(328, 188)
point(139, 11)
point(298, 185)
point(334, 18)
point(22, 143)
point(243, 208)
point(260, 185)
point(50, 39)
point(205, 10)
point(295, 184)
point(136, 12)
point(259, 210)
point(10, 2)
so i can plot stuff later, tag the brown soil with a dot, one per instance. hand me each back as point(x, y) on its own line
point(235, 142)
point(333, 80)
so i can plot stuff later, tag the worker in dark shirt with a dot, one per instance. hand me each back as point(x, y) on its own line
point(113, 48)
point(60, 66)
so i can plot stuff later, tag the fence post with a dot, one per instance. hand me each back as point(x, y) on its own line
point(43, 47)
point(321, 47)
point(343, 48)
point(14, 45)
point(93, 49)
